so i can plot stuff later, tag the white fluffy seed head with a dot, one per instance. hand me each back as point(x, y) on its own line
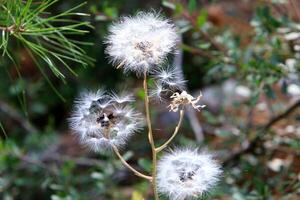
point(167, 81)
point(187, 173)
point(102, 119)
point(141, 42)
point(170, 76)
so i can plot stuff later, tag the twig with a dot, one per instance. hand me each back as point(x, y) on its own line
point(12, 113)
point(253, 143)
point(196, 125)
point(196, 51)
point(7, 28)
point(129, 166)
point(282, 115)
point(191, 113)
point(295, 8)
point(36, 162)
point(150, 137)
point(217, 45)
point(79, 161)
point(43, 161)
point(158, 149)
point(12, 28)
point(3, 130)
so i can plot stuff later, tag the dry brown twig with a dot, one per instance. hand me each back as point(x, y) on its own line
point(17, 117)
point(260, 132)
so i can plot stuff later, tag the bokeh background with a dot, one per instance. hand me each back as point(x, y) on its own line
point(242, 54)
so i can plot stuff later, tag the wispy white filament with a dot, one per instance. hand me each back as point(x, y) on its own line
point(167, 81)
point(102, 119)
point(170, 77)
point(141, 42)
point(187, 173)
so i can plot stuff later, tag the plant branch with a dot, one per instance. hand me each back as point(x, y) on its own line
point(158, 149)
point(17, 117)
point(191, 113)
point(7, 28)
point(150, 137)
point(282, 115)
point(197, 51)
point(12, 29)
point(294, 6)
point(253, 143)
point(129, 166)
point(206, 36)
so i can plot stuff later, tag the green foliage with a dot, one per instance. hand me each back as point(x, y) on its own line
point(56, 36)
point(45, 36)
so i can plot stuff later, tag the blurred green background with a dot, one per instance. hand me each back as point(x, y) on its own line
point(242, 54)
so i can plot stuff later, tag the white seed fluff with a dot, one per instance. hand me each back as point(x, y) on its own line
point(170, 77)
point(167, 81)
point(138, 43)
point(102, 119)
point(187, 173)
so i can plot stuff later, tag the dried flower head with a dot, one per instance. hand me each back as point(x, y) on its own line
point(103, 119)
point(140, 42)
point(187, 173)
point(182, 99)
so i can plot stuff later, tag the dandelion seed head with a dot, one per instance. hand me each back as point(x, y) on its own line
point(169, 77)
point(167, 81)
point(138, 43)
point(102, 119)
point(156, 92)
point(186, 173)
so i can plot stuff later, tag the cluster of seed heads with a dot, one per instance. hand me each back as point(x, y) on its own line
point(101, 120)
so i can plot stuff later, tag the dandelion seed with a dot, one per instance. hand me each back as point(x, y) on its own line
point(167, 82)
point(102, 119)
point(170, 77)
point(138, 43)
point(187, 173)
point(157, 91)
point(182, 99)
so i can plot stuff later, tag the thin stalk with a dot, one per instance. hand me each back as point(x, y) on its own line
point(150, 137)
point(137, 173)
point(158, 149)
point(7, 28)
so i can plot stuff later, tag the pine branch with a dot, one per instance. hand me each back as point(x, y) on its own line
point(38, 32)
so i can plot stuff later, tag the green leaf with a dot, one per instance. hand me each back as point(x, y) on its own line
point(179, 8)
point(145, 164)
point(192, 5)
point(141, 94)
point(136, 195)
point(223, 133)
point(128, 155)
point(269, 92)
point(202, 18)
point(205, 45)
point(169, 4)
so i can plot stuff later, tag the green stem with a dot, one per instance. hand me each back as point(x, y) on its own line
point(150, 137)
point(129, 166)
point(158, 149)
